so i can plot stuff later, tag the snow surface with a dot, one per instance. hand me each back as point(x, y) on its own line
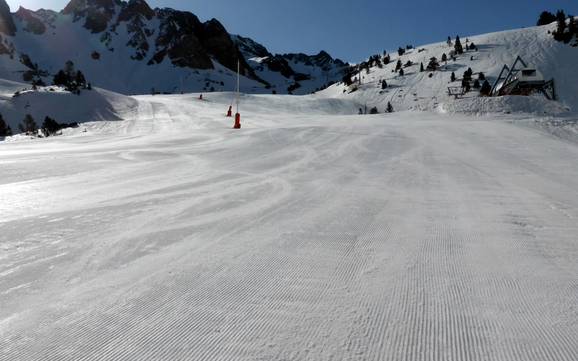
point(310, 234)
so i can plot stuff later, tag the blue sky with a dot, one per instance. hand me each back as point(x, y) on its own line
point(353, 30)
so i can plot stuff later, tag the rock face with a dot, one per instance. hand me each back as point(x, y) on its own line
point(218, 43)
point(96, 13)
point(7, 26)
point(32, 23)
point(134, 9)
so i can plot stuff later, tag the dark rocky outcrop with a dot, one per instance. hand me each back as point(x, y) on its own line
point(135, 14)
point(7, 26)
point(322, 60)
point(97, 13)
point(178, 40)
point(134, 9)
point(219, 44)
point(190, 43)
point(32, 23)
point(250, 47)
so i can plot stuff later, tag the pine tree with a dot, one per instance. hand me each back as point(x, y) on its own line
point(486, 89)
point(433, 64)
point(468, 74)
point(28, 125)
point(60, 79)
point(389, 108)
point(3, 127)
point(476, 84)
point(444, 58)
point(546, 18)
point(559, 34)
point(453, 77)
point(401, 72)
point(383, 84)
point(421, 69)
point(398, 65)
point(346, 80)
point(80, 80)
point(481, 77)
point(50, 127)
point(458, 46)
point(69, 69)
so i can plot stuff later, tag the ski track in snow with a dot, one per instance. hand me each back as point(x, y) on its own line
point(410, 236)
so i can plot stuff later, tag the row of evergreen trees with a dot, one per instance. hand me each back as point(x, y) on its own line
point(374, 110)
point(566, 27)
point(29, 126)
point(71, 79)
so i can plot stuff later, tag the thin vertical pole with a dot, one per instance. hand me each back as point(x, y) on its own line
point(238, 82)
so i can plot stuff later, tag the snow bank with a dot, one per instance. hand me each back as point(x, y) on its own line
point(65, 107)
point(537, 105)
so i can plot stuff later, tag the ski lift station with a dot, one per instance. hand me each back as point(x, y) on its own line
point(522, 79)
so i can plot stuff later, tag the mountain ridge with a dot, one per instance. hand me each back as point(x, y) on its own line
point(159, 44)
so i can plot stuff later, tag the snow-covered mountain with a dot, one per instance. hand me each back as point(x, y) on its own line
point(130, 48)
point(298, 73)
point(428, 90)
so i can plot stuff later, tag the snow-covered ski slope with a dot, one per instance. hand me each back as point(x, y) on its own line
point(309, 234)
point(416, 90)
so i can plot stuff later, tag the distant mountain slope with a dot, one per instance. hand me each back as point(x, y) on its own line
point(428, 90)
point(127, 47)
point(298, 73)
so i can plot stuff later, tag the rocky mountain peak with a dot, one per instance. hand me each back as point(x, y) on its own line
point(97, 13)
point(31, 21)
point(136, 8)
point(7, 26)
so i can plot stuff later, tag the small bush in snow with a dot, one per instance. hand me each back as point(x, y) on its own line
point(5, 130)
point(28, 126)
point(433, 64)
point(50, 127)
point(486, 89)
point(389, 108)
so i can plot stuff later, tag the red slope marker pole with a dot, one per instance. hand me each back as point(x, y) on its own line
point(237, 121)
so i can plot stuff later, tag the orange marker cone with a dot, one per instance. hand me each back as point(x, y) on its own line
point(237, 121)
point(230, 112)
